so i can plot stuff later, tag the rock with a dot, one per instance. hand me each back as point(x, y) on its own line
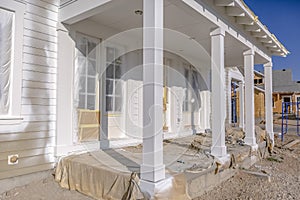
point(260, 134)
point(228, 129)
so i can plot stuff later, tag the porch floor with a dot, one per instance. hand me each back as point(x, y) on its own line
point(108, 173)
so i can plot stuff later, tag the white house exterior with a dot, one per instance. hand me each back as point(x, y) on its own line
point(147, 70)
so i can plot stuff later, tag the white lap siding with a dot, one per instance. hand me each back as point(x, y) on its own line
point(34, 139)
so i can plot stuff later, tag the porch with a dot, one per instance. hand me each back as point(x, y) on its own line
point(190, 169)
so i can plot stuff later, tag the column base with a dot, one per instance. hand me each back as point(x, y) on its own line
point(150, 189)
point(104, 144)
point(219, 151)
point(152, 173)
point(271, 135)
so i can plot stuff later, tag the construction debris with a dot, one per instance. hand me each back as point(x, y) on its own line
point(234, 135)
point(291, 144)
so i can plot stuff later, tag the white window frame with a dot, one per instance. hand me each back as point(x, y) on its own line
point(113, 79)
point(14, 114)
point(85, 75)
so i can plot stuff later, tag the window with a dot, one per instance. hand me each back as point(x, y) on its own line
point(113, 80)
point(6, 36)
point(87, 68)
point(11, 43)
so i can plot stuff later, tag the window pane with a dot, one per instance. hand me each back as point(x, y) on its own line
point(110, 54)
point(92, 67)
point(81, 65)
point(109, 86)
point(118, 88)
point(82, 84)
point(110, 71)
point(118, 104)
point(117, 72)
point(109, 103)
point(91, 85)
point(91, 102)
point(81, 101)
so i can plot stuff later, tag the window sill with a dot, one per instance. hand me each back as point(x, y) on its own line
point(8, 120)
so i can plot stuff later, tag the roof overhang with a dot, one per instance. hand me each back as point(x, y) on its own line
point(244, 16)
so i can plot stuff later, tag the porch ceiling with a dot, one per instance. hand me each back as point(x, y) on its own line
point(122, 17)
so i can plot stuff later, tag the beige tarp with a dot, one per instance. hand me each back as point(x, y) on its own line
point(102, 176)
point(87, 175)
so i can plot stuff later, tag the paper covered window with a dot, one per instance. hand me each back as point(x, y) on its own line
point(6, 59)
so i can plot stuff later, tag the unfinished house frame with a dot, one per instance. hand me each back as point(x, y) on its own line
point(101, 74)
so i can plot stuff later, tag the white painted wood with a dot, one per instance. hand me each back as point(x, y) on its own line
point(242, 105)
point(27, 162)
point(41, 20)
point(38, 109)
point(66, 47)
point(43, 4)
point(26, 136)
point(249, 98)
point(30, 8)
point(152, 168)
point(39, 126)
point(28, 153)
point(32, 42)
point(38, 85)
point(39, 76)
point(27, 144)
point(82, 9)
point(34, 26)
point(53, 2)
point(38, 101)
point(39, 68)
point(268, 100)
point(39, 36)
point(218, 100)
point(39, 118)
point(224, 2)
point(235, 12)
point(42, 93)
point(39, 52)
point(33, 138)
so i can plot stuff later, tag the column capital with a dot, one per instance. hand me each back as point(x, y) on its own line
point(268, 64)
point(249, 52)
point(217, 31)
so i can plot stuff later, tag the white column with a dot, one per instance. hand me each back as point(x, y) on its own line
point(218, 97)
point(242, 105)
point(249, 98)
point(64, 130)
point(152, 168)
point(268, 100)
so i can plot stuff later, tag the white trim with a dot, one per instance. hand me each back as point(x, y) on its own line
point(10, 120)
point(17, 45)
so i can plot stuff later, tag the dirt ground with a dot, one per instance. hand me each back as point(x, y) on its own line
point(276, 177)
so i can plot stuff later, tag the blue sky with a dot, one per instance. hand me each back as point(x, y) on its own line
point(282, 17)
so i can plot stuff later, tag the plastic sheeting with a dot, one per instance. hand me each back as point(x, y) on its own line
point(6, 41)
point(86, 86)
